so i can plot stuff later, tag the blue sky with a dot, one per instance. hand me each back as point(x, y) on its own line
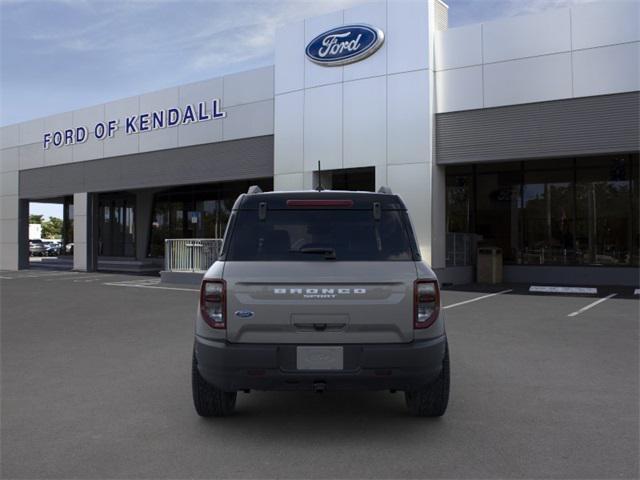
point(60, 55)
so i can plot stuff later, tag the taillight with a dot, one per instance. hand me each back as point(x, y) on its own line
point(426, 303)
point(213, 303)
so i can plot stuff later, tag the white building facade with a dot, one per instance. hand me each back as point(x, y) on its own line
point(520, 133)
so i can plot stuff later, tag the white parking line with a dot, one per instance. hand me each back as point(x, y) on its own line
point(139, 281)
point(59, 278)
point(591, 305)
point(476, 299)
point(151, 286)
point(80, 278)
point(6, 278)
point(46, 275)
point(84, 279)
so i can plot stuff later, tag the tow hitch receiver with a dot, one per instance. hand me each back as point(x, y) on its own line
point(319, 387)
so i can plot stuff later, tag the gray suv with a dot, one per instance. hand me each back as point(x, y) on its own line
point(320, 290)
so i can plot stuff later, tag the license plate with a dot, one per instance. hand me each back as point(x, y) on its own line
point(319, 358)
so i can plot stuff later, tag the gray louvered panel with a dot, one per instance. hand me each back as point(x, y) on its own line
point(580, 126)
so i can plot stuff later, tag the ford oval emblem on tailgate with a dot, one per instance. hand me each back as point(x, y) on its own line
point(244, 313)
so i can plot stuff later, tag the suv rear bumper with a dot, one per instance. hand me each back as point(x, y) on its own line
point(402, 366)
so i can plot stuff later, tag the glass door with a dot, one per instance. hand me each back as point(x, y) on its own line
point(116, 225)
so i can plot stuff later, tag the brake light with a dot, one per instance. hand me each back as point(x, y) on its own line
point(426, 303)
point(213, 303)
point(319, 203)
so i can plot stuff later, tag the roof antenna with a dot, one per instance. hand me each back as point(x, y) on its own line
point(319, 178)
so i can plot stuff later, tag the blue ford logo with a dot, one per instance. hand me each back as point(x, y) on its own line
point(244, 313)
point(343, 45)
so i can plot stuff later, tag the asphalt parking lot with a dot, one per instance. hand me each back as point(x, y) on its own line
point(96, 384)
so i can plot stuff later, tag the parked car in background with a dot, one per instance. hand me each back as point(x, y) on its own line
point(37, 248)
point(53, 248)
point(68, 248)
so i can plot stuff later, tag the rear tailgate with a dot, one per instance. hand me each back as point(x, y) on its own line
point(320, 302)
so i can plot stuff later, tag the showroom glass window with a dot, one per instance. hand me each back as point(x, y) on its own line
point(460, 199)
point(568, 211)
point(195, 211)
point(460, 216)
point(548, 223)
point(498, 207)
point(604, 233)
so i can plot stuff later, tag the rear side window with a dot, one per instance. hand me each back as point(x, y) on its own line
point(310, 235)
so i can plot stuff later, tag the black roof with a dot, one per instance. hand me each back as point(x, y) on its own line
point(278, 200)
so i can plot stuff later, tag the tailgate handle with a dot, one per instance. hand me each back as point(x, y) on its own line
point(320, 327)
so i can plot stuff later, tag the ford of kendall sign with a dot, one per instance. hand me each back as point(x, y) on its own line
point(139, 123)
point(343, 45)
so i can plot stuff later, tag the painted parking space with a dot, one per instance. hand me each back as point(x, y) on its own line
point(41, 272)
point(540, 303)
point(591, 305)
point(23, 274)
point(466, 296)
point(105, 279)
point(55, 276)
point(476, 299)
point(519, 364)
point(152, 283)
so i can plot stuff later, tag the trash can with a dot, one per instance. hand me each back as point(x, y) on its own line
point(489, 265)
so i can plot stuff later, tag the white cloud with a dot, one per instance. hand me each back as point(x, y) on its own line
point(92, 51)
point(253, 35)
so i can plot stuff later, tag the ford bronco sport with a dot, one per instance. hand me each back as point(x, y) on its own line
point(320, 290)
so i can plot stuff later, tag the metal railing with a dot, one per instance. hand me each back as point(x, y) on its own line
point(460, 249)
point(190, 254)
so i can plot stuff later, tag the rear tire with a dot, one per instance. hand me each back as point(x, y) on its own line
point(431, 401)
point(208, 400)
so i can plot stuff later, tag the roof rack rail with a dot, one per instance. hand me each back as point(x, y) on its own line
point(385, 190)
point(254, 189)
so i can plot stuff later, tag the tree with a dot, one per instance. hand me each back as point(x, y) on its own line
point(52, 228)
point(36, 219)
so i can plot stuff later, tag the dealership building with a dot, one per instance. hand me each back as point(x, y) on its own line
point(520, 133)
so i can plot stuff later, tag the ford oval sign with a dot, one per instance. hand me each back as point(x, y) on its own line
point(343, 45)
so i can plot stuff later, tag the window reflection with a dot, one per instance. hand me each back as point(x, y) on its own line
point(116, 225)
point(195, 211)
point(554, 212)
point(498, 208)
point(603, 193)
point(548, 225)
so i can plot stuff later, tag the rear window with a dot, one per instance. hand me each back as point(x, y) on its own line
point(320, 235)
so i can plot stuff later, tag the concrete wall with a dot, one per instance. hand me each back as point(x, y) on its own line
point(377, 112)
point(590, 49)
point(82, 251)
point(8, 211)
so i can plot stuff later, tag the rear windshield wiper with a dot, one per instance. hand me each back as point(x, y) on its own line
point(329, 253)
